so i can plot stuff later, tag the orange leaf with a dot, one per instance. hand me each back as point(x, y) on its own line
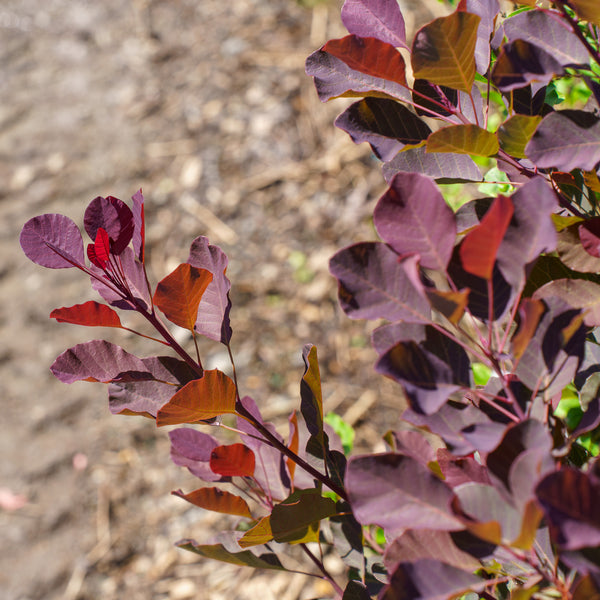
point(531, 312)
point(212, 498)
point(479, 248)
point(235, 460)
point(92, 314)
point(370, 56)
point(200, 399)
point(179, 293)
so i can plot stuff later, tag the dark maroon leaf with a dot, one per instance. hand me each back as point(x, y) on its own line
point(561, 143)
point(428, 579)
point(429, 371)
point(529, 100)
point(388, 335)
point(385, 124)
point(53, 241)
point(550, 32)
point(521, 63)
point(412, 216)
point(356, 590)
point(139, 224)
point(570, 500)
point(397, 492)
point(270, 472)
point(192, 449)
point(487, 10)
point(443, 167)
point(333, 78)
point(373, 283)
point(112, 215)
point(380, 19)
point(437, 98)
point(98, 360)
point(214, 308)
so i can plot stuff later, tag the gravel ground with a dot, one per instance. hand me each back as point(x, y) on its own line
point(206, 107)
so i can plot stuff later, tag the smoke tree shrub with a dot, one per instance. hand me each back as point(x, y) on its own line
point(487, 319)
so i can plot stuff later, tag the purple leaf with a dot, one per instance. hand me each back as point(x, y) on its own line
point(570, 500)
point(215, 305)
point(373, 283)
point(460, 469)
point(385, 337)
point(562, 143)
point(334, 78)
point(397, 492)
point(578, 293)
point(112, 215)
point(429, 371)
point(380, 19)
point(139, 230)
point(386, 124)
point(550, 32)
point(444, 168)
point(53, 241)
point(98, 360)
point(521, 63)
point(487, 10)
point(428, 579)
point(412, 216)
point(192, 449)
point(167, 375)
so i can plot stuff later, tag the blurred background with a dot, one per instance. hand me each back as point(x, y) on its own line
point(206, 107)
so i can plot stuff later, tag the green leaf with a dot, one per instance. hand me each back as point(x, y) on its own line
point(463, 139)
point(258, 535)
point(244, 558)
point(481, 373)
point(443, 51)
point(515, 132)
point(343, 429)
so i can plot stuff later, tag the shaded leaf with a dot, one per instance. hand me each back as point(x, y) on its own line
point(296, 519)
point(521, 63)
point(463, 139)
point(548, 31)
point(397, 492)
point(450, 304)
point(178, 295)
point(373, 282)
point(561, 143)
point(412, 216)
point(356, 590)
point(234, 460)
point(200, 399)
point(443, 167)
point(479, 248)
point(53, 241)
point(515, 133)
point(192, 449)
point(437, 98)
point(91, 314)
point(530, 313)
point(385, 124)
point(312, 403)
point(369, 56)
point(244, 558)
point(578, 293)
point(217, 500)
point(375, 18)
point(443, 51)
point(348, 537)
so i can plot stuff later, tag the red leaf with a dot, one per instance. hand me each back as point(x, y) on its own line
point(235, 460)
point(179, 293)
point(200, 399)
point(370, 56)
point(217, 500)
point(479, 248)
point(92, 314)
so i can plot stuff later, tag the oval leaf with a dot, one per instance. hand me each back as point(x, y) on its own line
point(53, 241)
point(91, 314)
point(380, 19)
point(235, 460)
point(178, 295)
point(200, 399)
point(217, 500)
point(515, 133)
point(443, 51)
point(463, 139)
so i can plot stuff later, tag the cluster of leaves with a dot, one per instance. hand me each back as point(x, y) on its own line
point(486, 319)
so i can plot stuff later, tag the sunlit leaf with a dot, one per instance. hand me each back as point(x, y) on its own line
point(200, 399)
point(91, 314)
point(375, 18)
point(463, 139)
point(217, 500)
point(257, 535)
point(515, 132)
point(178, 295)
point(312, 402)
point(572, 253)
point(443, 51)
point(235, 460)
point(479, 248)
point(530, 313)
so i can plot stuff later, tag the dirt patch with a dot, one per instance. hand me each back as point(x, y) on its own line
point(205, 106)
